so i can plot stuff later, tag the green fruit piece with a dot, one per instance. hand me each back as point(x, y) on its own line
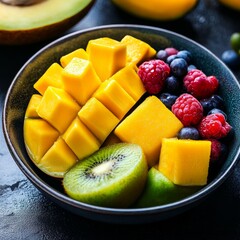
point(114, 176)
point(235, 42)
point(160, 190)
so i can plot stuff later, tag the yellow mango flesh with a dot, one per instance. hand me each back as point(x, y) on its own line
point(52, 77)
point(58, 159)
point(80, 139)
point(58, 108)
point(127, 77)
point(107, 56)
point(80, 80)
point(115, 98)
point(185, 162)
point(147, 125)
point(98, 119)
point(137, 50)
point(79, 53)
point(33, 104)
point(39, 136)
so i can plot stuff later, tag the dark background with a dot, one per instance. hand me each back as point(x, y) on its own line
point(26, 214)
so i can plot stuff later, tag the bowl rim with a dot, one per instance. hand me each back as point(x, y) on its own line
point(60, 197)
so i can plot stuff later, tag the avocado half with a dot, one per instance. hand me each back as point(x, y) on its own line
point(41, 20)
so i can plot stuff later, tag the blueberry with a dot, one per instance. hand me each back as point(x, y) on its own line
point(188, 133)
point(179, 67)
point(231, 58)
point(172, 85)
point(168, 99)
point(171, 58)
point(186, 55)
point(162, 55)
point(191, 67)
point(215, 101)
point(217, 110)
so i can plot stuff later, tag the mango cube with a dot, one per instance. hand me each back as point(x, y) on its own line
point(147, 125)
point(185, 162)
point(115, 98)
point(33, 104)
point(107, 56)
point(79, 53)
point(58, 108)
point(80, 139)
point(38, 137)
point(58, 159)
point(127, 77)
point(98, 119)
point(80, 74)
point(137, 50)
point(52, 77)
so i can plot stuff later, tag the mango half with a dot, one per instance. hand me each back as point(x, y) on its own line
point(157, 9)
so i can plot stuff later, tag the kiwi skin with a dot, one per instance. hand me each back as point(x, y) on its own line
point(118, 191)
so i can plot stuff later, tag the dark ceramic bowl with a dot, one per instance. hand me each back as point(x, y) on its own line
point(21, 90)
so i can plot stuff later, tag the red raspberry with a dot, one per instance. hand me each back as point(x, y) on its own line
point(218, 151)
point(153, 74)
point(214, 126)
point(199, 85)
point(188, 109)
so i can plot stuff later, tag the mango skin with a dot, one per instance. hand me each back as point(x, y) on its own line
point(159, 10)
point(234, 4)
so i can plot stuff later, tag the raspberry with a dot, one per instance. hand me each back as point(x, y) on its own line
point(214, 126)
point(153, 74)
point(218, 151)
point(188, 109)
point(199, 85)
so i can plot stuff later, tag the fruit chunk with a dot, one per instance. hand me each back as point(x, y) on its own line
point(79, 53)
point(52, 77)
point(58, 108)
point(160, 190)
point(234, 4)
point(33, 104)
point(185, 162)
point(58, 159)
point(147, 125)
point(115, 98)
point(107, 56)
point(80, 74)
point(38, 137)
point(114, 176)
point(98, 119)
point(137, 50)
point(80, 139)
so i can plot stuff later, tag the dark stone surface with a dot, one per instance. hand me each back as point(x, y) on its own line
point(27, 214)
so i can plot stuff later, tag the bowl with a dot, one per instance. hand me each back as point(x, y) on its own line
point(21, 89)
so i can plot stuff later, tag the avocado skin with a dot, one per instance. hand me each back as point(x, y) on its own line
point(34, 35)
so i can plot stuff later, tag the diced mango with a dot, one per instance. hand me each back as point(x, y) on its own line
point(147, 125)
point(80, 79)
point(79, 53)
point(80, 139)
point(58, 108)
point(33, 104)
point(58, 159)
point(127, 77)
point(137, 50)
point(185, 162)
point(98, 119)
point(115, 98)
point(38, 137)
point(52, 77)
point(107, 56)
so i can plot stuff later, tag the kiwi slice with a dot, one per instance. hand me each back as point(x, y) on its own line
point(114, 176)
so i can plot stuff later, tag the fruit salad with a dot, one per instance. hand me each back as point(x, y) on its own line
point(125, 125)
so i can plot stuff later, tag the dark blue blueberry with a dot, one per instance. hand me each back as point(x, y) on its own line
point(186, 55)
point(231, 59)
point(170, 59)
point(191, 67)
point(179, 67)
point(215, 101)
point(168, 99)
point(216, 110)
point(188, 133)
point(172, 85)
point(162, 55)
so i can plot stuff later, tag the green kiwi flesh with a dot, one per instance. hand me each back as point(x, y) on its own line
point(114, 176)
